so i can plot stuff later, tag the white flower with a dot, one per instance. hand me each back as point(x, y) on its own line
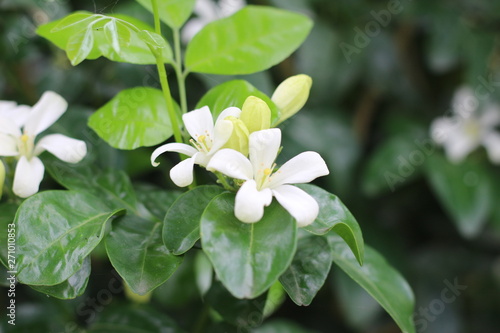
point(208, 11)
point(19, 126)
point(208, 139)
point(261, 183)
point(467, 128)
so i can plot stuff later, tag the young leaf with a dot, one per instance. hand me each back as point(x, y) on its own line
point(247, 257)
point(72, 287)
point(79, 46)
point(379, 279)
point(56, 231)
point(172, 12)
point(136, 251)
point(134, 118)
point(250, 41)
point(308, 271)
point(333, 215)
point(181, 228)
point(112, 35)
point(234, 93)
point(152, 39)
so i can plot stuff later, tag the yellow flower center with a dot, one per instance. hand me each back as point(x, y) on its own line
point(267, 171)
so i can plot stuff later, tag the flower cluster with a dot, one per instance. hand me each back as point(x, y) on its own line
point(19, 127)
point(468, 128)
point(242, 146)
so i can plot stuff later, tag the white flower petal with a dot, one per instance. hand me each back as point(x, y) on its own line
point(191, 28)
point(442, 128)
point(490, 116)
point(458, 146)
point(206, 9)
point(182, 173)
point(9, 126)
point(298, 203)
point(229, 112)
point(199, 122)
point(174, 147)
point(228, 7)
point(250, 203)
point(8, 145)
point(303, 168)
point(6, 106)
point(222, 132)
point(64, 148)
point(45, 112)
point(231, 163)
point(491, 143)
point(17, 114)
point(464, 102)
point(263, 148)
point(28, 176)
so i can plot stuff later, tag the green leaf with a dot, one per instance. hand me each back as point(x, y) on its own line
point(380, 280)
point(134, 118)
point(181, 228)
point(56, 231)
point(156, 201)
point(252, 40)
point(333, 215)
point(136, 251)
point(464, 190)
point(117, 34)
point(133, 318)
point(308, 271)
point(248, 258)
point(281, 326)
point(172, 12)
point(153, 39)
point(72, 287)
point(234, 93)
point(6, 217)
point(79, 46)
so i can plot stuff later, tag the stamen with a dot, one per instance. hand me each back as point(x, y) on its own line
point(267, 171)
point(24, 138)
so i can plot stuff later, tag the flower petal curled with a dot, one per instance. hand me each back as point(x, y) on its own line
point(303, 168)
point(222, 132)
point(174, 147)
point(28, 176)
point(250, 202)
point(298, 203)
point(64, 148)
point(229, 112)
point(45, 112)
point(232, 164)
point(199, 122)
point(263, 148)
point(182, 173)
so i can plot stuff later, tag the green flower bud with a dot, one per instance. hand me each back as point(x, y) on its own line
point(2, 177)
point(239, 138)
point(291, 95)
point(256, 114)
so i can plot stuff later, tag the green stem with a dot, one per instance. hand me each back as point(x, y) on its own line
point(222, 180)
point(202, 320)
point(162, 73)
point(178, 71)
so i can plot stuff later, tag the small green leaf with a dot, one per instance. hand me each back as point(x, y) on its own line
point(333, 215)
point(79, 46)
point(465, 191)
point(250, 41)
point(136, 251)
point(247, 257)
point(380, 280)
point(153, 39)
point(234, 93)
point(172, 12)
point(181, 228)
point(56, 231)
point(308, 271)
point(134, 118)
point(116, 34)
point(72, 287)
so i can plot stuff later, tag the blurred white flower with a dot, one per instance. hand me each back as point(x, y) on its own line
point(208, 11)
point(208, 139)
point(19, 126)
point(262, 182)
point(468, 128)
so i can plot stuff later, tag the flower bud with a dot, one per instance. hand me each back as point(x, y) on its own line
point(239, 137)
point(256, 114)
point(2, 177)
point(291, 95)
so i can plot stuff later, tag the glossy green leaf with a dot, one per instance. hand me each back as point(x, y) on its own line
point(280, 326)
point(172, 12)
point(133, 318)
point(234, 93)
point(334, 216)
point(465, 191)
point(252, 40)
point(117, 37)
point(56, 231)
point(134, 118)
point(181, 228)
point(308, 271)
point(157, 201)
point(8, 212)
point(72, 287)
point(380, 280)
point(247, 257)
point(136, 251)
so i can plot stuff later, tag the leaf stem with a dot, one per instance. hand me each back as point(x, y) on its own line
point(223, 181)
point(178, 71)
